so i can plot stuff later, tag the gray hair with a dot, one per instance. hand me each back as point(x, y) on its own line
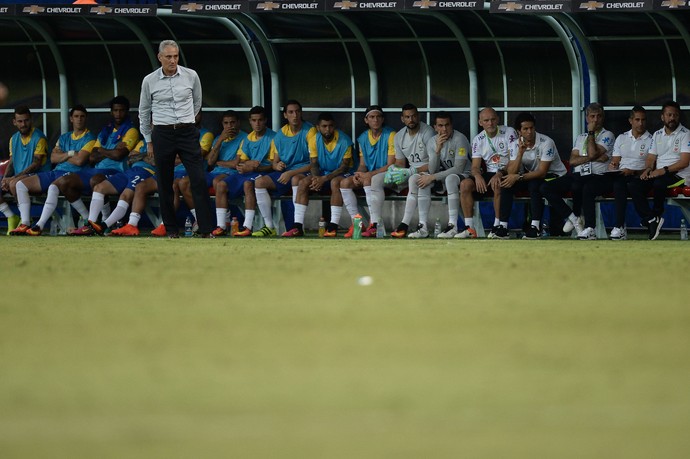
point(594, 107)
point(166, 43)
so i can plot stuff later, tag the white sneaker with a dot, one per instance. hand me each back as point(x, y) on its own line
point(421, 233)
point(588, 234)
point(448, 233)
point(618, 234)
point(467, 233)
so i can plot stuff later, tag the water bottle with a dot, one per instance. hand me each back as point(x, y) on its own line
point(437, 227)
point(683, 230)
point(188, 227)
point(357, 223)
point(322, 226)
point(53, 227)
point(380, 230)
point(234, 226)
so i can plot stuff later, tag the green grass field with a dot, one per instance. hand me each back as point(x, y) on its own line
point(229, 348)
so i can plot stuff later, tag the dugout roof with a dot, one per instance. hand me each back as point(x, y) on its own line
point(458, 61)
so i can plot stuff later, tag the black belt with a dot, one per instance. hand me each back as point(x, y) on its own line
point(175, 126)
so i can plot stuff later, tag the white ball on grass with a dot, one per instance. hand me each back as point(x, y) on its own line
point(365, 280)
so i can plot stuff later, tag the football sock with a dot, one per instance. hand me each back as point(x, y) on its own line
point(134, 218)
point(263, 200)
point(97, 201)
point(220, 217)
point(300, 210)
point(81, 209)
point(336, 211)
point(24, 203)
point(49, 206)
point(249, 218)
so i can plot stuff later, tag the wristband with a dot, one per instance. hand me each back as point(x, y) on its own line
point(71, 153)
point(666, 169)
point(591, 133)
point(521, 177)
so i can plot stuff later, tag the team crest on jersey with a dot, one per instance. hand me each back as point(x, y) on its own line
point(501, 145)
point(676, 145)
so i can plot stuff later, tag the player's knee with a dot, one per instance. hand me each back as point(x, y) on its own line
point(467, 186)
point(221, 187)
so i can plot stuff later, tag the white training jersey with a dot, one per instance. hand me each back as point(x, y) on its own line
point(494, 151)
point(413, 148)
point(632, 151)
point(452, 157)
point(604, 138)
point(668, 147)
point(544, 149)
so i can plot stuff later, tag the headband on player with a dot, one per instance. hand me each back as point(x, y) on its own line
point(373, 108)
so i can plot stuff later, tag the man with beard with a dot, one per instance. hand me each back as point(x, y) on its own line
point(670, 151)
point(410, 147)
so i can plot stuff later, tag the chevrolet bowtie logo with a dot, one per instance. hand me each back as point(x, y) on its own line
point(510, 6)
point(191, 7)
point(33, 9)
point(267, 6)
point(592, 5)
point(673, 3)
point(101, 10)
point(345, 5)
point(424, 4)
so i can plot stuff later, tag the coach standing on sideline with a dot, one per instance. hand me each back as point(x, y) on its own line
point(170, 99)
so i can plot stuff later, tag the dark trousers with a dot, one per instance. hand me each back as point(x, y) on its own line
point(167, 144)
point(554, 190)
point(585, 190)
point(536, 201)
point(639, 190)
point(620, 194)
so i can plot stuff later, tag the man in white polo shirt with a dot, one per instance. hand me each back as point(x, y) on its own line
point(671, 152)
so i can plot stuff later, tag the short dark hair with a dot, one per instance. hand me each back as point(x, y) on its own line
point(22, 110)
point(409, 106)
point(77, 108)
point(325, 116)
point(444, 116)
point(637, 109)
point(119, 100)
point(230, 114)
point(670, 103)
point(257, 110)
point(291, 102)
point(521, 118)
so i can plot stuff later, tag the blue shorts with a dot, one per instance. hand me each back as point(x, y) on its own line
point(235, 183)
point(87, 174)
point(46, 178)
point(211, 175)
point(179, 174)
point(281, 190)
point(129, 179)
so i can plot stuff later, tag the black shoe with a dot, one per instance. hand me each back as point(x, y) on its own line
point(173, 235)
point(655, 227)
point(330, 227)
point(501, 232)
point(207, 236)
point(532, 233)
